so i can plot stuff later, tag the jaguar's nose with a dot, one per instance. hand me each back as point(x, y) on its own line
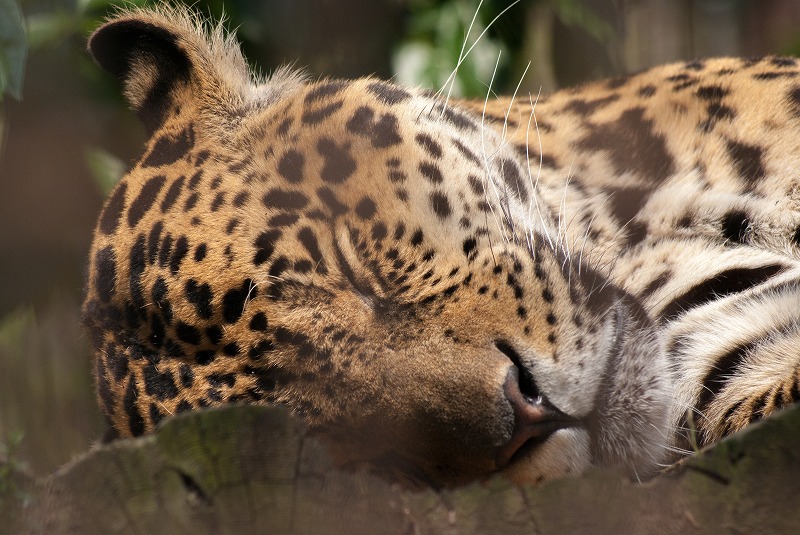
point(535, 419)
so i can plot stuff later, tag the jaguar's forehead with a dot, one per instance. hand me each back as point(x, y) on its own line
point(411, 149)
point(390, 163)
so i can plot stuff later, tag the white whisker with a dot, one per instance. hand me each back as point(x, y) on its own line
point(461, 57)
point(464, 56)
point(487, 158)
point(535, 183)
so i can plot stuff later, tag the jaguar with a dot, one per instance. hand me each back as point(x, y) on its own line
point(446, 289)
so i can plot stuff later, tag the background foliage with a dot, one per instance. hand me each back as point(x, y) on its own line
point(70, 137)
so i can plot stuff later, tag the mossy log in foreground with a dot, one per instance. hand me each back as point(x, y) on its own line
point(251, 470)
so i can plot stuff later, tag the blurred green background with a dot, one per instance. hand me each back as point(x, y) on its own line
point(70, 136)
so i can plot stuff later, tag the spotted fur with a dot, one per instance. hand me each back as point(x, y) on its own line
point(445, 290)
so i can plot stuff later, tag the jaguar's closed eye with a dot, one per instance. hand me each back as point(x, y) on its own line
point(365, 283)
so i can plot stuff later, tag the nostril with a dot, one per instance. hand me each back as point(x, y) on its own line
point(535, 419)
point(527, 385)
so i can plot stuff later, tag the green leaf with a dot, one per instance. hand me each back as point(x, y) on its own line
point(437, 38)
point(48, 29)
point(13, 48)
point(574, 13)
point(106, 168)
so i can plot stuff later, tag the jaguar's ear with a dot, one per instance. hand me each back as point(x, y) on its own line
point(149, 59)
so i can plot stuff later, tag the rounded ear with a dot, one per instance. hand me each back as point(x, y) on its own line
point(149, 61)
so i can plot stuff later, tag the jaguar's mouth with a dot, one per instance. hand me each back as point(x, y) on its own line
point(525, 450)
